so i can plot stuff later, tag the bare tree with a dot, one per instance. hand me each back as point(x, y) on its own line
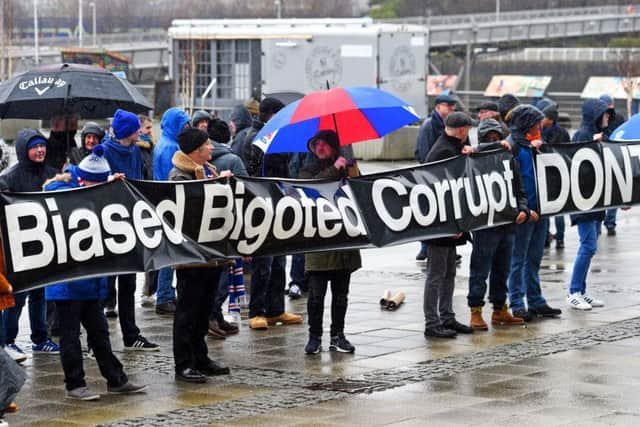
point(628, 67)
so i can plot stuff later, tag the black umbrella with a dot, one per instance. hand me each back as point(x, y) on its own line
point(90, 92)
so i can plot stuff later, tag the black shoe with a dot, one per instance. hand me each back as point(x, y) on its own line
point(141, 344)
point(545, 311)
point(440, 332)
point(314, 345)
point(525, 315)
point(422, 255)
point(454, 325)
point(110, 313)
point(191, 376)
point(230, 328)
point(559, 244)
point(166, 308)
point(214, 368)
point(341, 344)
point(611, 231)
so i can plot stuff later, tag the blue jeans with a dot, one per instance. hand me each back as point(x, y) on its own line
point(166, 292)
point(37, 317)
point(528, 249)
point(610, 218)
point(559, 220)
point(490, 258)
point(588, 232)
point(297, 270)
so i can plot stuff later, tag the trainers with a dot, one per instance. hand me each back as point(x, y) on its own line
point(110, 312)
point(3, 423)
point(166, 308)
point(81, 393)
point(141, 344)
point(126, 388)
point(295, 292)
point(229, 328)
point(314, 345)
point(259, 323)
point(285, 318)
point(15, 353)
point(341, 344)
point(592, 301)
point(545, 311)
point(215, 331)
point(576, 301)
point(47, 347)
point(148, 301)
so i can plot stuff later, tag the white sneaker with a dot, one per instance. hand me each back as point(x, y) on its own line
point(576, 301)
point(3, 423)
point(594, 302)
point(15, 353)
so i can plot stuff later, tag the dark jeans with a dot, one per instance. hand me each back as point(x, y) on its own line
point(268, 279)
point(318, 281)
point(221, 294)
point(89, 313)
point(490, 258)
point(37, 317)
point(559, 220)
point(196, 292)
point(126, 305)
point(297, 271)
point(439, 286)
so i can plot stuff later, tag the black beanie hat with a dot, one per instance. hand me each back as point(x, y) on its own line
point(506, 103)
point(268, 107)
point(327, 135)
point(190, 139)
point(218, 130)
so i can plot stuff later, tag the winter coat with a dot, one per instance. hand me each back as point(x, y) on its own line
point(77, 154)
point(145, 144)
point(172, 122)
point(348, 260)
point(446, 147)
point(26, 175)
point(428, 134)
point(555, 134)
point(592, 111)
point(224, 159)
point(272, 165)
point(126, 160)
point(241, 118)
point(85, 289)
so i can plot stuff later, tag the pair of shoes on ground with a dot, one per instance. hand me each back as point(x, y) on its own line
point(220, 330)
point(45, 347)
point(449, 329)
point(583, 302)
point(141, 344)
point(500, 317)
point(338, 343)
point(168, 308)
point(262, 323)
point(86, 394)
point(200, 375)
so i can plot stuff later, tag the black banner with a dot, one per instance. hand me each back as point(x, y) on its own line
point(133, 226)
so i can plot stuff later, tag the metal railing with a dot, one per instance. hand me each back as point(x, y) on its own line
point(550, 54)
point(102, 39)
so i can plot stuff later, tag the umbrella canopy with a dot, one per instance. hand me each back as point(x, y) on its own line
point(90, 92)
point(628, 131)
point(356, 114)
point(285, 97)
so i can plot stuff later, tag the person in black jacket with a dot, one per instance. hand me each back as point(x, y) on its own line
point(439, 317)
point(492, 247)
point(28, 174)
point(90, 136)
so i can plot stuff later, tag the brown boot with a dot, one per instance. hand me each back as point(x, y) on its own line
point(503, 317)
point(477, 323)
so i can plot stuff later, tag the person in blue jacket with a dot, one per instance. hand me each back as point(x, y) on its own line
point(79, 302)
point(528, 249)
point(595, 119)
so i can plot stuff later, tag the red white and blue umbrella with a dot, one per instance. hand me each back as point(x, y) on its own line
point(355, 113)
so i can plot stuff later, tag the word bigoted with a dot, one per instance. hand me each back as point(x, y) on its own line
point(132, 226)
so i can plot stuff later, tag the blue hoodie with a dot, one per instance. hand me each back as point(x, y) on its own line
point(126, 160)
point(85, 289)
point(592, 111)
point(172, 122)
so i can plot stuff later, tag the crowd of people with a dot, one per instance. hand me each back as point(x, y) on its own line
point(206, 147)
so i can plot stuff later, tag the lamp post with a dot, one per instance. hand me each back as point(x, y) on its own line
point(36, 37)
point(80, 30)
point(93, 18)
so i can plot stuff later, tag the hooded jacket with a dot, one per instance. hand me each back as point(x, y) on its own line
point(224, 159)
point(26, 175)
point(172, 122)
point(523, 117)
point(241, 117)
point(126, 160)
point(429, 132)
point(592, 111)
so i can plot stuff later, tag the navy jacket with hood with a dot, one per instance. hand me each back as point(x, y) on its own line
point(523, 117)
point(428, 134)
point(26, 175)
point(592, 111)
point(225, 159)
point(172, 122)
point(126, 160)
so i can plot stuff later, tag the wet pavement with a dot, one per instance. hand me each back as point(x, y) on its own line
point(580, 369)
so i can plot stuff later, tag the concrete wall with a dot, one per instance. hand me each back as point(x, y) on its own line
point(398, 145)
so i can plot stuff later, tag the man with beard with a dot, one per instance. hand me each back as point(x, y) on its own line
point(61, 139)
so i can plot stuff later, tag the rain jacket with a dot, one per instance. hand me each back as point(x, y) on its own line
point(224, 159)
point(592, 111)
point(26, 175)
point(126, 160)
point(172, 122)
point(429, 132)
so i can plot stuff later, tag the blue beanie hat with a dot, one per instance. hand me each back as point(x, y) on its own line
point(36, 140)
point(607, 99)
point(124, 124)
point(94, 167)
